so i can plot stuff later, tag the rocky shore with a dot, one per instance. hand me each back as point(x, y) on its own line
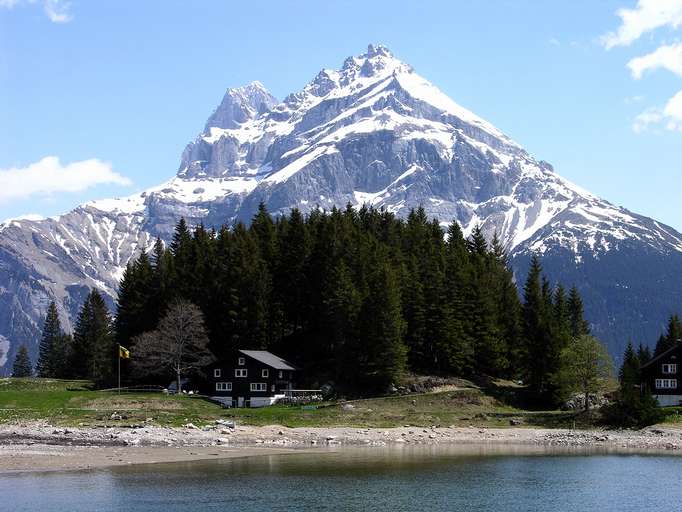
point(42, 446)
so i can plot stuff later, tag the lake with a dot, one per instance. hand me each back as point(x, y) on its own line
point(433, 479)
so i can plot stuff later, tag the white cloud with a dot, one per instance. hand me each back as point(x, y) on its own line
point(56, 10)
point(638, 98)
point(667, 57)
point(673, 113)
point(649, 15)
point(645, 119)
point(48, 176)
point(668, 117)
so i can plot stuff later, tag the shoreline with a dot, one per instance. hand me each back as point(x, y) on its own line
point(32, 447)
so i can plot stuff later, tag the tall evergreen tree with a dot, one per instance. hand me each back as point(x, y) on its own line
point(579, 326)
point(672, 337)
point(643, 354)
point(93, 351)
point(48, 355)
point(382, 353)
point(82, 350)
point(629, 371)
point(105, 349)
point(22, 363)
point(535, 327)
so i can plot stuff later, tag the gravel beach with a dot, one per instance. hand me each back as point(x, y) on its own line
point(39, 446)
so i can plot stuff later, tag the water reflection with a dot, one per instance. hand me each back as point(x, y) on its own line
point(432, 478)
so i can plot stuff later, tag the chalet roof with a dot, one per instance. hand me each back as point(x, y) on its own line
point(661, 356)
point(269, 359)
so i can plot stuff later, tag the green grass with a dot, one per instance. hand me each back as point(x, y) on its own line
point(673, 416)
point(71, 403)
point(63, 402)
point(458, 407)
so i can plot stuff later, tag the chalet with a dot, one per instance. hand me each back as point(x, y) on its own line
point(662, 376)
point(250, 378)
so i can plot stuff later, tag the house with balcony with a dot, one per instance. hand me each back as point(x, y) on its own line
point(250, 378)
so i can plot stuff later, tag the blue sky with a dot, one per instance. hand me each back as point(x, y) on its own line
point(112, 91)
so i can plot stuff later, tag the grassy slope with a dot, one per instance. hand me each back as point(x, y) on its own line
point(64, 402)
point(73, 403)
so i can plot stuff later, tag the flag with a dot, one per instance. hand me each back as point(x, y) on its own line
point(123, 353)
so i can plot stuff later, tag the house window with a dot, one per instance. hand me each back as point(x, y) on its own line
point(281, 374)
point(666, 383)
point(259, 386)
point(216, 373)
point(223, 386)
point(240, 372)
point(265, 374)
point(242, 361)
point(670, 368)
point(273, 388)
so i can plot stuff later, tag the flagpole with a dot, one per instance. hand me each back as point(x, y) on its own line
point(119, 368)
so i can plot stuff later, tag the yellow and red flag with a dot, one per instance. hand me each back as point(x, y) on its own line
point(123, 352)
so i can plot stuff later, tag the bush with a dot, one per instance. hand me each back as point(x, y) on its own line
point(633, 409)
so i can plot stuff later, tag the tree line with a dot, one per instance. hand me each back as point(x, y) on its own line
point(90, 352)
point(353, 297)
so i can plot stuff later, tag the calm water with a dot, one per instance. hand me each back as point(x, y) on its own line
point(364, 480)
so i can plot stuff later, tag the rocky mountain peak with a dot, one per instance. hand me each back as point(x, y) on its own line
point(239, 105)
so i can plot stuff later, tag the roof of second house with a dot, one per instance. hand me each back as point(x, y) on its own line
point(661, 356)
point(269, 358)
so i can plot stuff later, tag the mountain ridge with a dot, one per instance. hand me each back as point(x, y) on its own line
point(373, 132)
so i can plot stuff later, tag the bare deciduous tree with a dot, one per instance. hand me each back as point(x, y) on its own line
point(180, 343)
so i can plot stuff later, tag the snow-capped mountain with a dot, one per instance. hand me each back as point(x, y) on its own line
point(371, 132)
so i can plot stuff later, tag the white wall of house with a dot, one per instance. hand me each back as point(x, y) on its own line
point(265, 400)
point(225, 400)
point(668, 400)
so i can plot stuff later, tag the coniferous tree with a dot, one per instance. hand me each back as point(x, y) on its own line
point(629, 375)
point(290, 274)
point(342, 304)
point(535, 327)
point(82, 351)
point(52, 332)
point(22, 363)
point(105, 348)
point(93, 350)
point(634, 405)
point(579, 326)
point(182, 248)
point(672, 337)
point(60, 355)
point(382, 353)
point(162, 279)
point(643, 354)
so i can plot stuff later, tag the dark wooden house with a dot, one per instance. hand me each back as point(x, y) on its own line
point(661, 376)
point(250, 378)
